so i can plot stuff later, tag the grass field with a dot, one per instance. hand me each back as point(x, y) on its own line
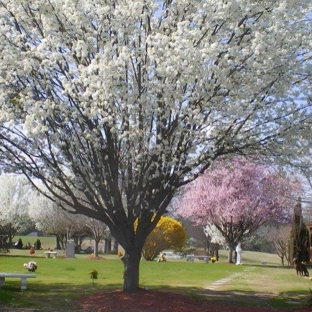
point(61, 280)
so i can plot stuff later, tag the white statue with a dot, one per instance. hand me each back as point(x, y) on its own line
point(238, 253)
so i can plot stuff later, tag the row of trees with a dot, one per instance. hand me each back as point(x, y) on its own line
point(115, 105)
point(235, 187)
point(232, 200)
point(52, 220)
point(24, 210)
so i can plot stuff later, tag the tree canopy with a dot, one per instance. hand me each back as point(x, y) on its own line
point(126, 101)
point(238, 197)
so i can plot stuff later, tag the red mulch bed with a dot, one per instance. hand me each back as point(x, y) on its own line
point(154, 300)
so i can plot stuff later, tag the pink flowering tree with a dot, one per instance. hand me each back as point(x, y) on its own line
point(238, 197)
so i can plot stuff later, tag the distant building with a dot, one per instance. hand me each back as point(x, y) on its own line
point(35, 233)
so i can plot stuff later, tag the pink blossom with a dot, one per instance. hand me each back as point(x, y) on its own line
point(238, 197)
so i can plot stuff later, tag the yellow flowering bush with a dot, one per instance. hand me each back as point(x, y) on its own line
point(168, 233)
point(213, 259)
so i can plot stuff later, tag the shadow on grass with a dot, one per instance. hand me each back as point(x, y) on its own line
point(26, 256)
point(249, 298)
point(291, 300)
point(23, 256)
point(43, 297)
point(62, 296)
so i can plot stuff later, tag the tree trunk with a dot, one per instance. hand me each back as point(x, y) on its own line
point(131, 261)
point(230, 255)
point(96, 247)
point(58, 242)
point(108, 245)
point(217, 251)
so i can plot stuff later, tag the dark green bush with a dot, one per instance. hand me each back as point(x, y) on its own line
point(37, 244)
point(7, 232)
point(4, 244)
point(19, 244)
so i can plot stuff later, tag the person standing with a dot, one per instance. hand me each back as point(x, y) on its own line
point(238, 253)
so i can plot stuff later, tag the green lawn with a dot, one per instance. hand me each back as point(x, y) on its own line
point(61, 280)
point(110, 268)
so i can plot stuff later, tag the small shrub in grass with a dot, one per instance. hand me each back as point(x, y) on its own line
point(94, 275)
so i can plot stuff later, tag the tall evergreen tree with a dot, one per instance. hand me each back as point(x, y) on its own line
point(299, 236)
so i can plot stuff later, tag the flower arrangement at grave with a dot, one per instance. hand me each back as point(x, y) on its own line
point(94, 275)
point(31, 266)
point(32, 250)
point(213, 259)
point(119, 254)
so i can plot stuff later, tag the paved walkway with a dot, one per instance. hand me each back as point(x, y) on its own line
point(214, 291)
point(217, 284)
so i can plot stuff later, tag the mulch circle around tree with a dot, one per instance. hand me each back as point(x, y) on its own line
point(154, 300)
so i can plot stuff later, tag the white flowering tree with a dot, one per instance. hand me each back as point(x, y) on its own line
point(126, 101)
point(214, 235)
point(14, 201)
point(43, 213)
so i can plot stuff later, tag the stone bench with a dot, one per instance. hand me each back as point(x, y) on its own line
point(191, 258)
point(49, 253)
point(22, 276)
